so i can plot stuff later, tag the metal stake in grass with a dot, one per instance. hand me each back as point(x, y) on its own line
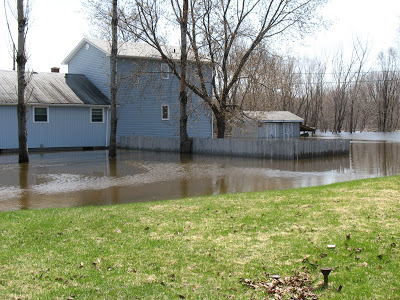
point(325, 272)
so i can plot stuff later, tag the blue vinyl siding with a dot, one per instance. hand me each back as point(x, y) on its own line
point(8, 127)
point(66, 127)
point(95, 65)
point(141, 93)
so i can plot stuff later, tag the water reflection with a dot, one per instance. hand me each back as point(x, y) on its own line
point(382, 159)
point(68, 179)
point(24, 186)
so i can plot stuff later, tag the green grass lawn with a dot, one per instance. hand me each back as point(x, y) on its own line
point(208, 247)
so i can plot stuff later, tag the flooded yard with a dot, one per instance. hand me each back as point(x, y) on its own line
point(67, 179)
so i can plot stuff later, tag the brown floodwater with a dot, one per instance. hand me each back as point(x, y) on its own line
point(67, 179)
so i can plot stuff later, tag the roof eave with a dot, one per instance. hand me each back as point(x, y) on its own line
point(59, 104)
point(281, 121)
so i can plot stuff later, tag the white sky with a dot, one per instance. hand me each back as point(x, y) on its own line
point(59, 25)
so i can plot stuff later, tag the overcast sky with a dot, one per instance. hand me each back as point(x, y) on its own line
point(59, 25)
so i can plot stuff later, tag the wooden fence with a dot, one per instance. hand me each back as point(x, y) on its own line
point(266, 148)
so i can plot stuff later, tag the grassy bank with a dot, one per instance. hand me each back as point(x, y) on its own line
point(200, 248)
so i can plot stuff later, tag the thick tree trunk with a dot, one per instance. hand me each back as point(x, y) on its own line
point(221, 126)
point(21, 108)
point(185, 142)
point(113, 82)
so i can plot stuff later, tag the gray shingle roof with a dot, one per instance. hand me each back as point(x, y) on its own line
point(52, 88)
point(272, 116)
point(131, 50)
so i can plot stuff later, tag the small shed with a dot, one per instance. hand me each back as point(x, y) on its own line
point(268, 124)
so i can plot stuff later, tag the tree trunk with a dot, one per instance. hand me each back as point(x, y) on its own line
point(352, 121)
point(185, 142)
point(21, 108)
point(221, 126)
point(113, 82)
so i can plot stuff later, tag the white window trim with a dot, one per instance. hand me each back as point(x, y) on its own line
point(47, 113)
point(162, 113)
point(102, 115)
point(164, 71)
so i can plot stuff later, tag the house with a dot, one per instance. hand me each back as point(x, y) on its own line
point(64, 111)
point(148, 93)
point(268, 124)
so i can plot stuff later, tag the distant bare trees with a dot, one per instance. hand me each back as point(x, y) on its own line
point(384, 90)
point(346, 89)
point(312, 91)
point(346, 98)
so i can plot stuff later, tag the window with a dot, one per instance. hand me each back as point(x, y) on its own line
point(164, 71)
point(40, 115)
point(96, 115)
point(164, 112)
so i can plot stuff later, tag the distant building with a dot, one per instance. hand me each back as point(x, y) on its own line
point(64, 111)
point(148, 92)
point(268, 124)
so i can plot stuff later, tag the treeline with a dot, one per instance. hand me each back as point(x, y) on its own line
point(346, 98)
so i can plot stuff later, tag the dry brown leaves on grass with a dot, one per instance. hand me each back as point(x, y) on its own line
point(294, 287)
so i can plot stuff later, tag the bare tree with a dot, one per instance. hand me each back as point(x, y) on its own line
point(312, 91)
point(113, 80)
point(384, 90)
point(347, 86)
point(222, 35)
point(361, 52)
point(182, 17)
point(21, 62)
point(230, 36)
point(269, 82)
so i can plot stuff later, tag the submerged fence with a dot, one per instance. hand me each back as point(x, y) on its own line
point(268, 148)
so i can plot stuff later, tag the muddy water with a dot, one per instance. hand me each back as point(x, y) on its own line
point(67, 179)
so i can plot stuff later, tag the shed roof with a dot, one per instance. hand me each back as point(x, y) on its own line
point(125, 49)
point(273, 116)
point(52, 88)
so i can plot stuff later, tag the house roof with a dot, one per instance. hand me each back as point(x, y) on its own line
point(52, 88)
point(273, 116)
point(126, 49)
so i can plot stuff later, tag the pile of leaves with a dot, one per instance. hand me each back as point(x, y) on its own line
point(294, 287)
